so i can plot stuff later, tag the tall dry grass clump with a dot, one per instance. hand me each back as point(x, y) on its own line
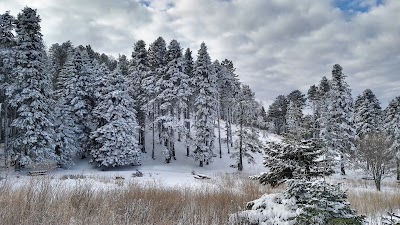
point(52, 201)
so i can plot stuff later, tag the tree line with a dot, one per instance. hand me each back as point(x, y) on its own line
point(75, 101)
point(344, 125)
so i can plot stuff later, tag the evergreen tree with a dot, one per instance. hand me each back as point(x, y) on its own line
point(7, 43)
point(58, 55)
point(156, 60)
point(277, 112)
point(173, 97)
point(297, 98)
point(76, 84)
point(367, 113)
point(139, 74)
point(248, 139)
point(306, 200)
point(115, 136)
point(66, 134)
point(341, 130)
point(294, 118)
point(205, 107)
point(229, 88)
point(188, 70)
point(123, 65)
point(30, 93)
point(391, 124)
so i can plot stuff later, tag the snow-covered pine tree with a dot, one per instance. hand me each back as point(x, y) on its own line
point(66, 144)
point(229, 88)
point(307, 199)
point(173, 98)
point(31, 94)
point(205, 107)
point(340, 132)
point(218, 71)
point(138, 73)
point(58, 56)
point(116, 135)
point(391, 125)
point(76, 91)
point(156, 60)
point(123, 65)
point(7, 43)
point(367, 113)
point(248, 138)
point(188, 70)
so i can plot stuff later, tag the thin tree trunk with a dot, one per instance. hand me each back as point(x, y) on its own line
point(240, 164)
point(398, 168)
point(227, 132)
point(342, 170)
point(219, 129)
point(153, 132)
point(187, 117)
point(230, 128)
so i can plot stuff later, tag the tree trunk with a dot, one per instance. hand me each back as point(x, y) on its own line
point(153, 133)
point(227, 132)
point(187, 117)
point(201, 163)
point(240, 164)
point(219, 129)
point(342, 170)
point(378, 183)
point(398, 168)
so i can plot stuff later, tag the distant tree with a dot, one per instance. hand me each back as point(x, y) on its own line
point(392, 126)
point(376, 156)
point(123, 65)
point(294, 118)
point(297, 98)
point(31, 94)
point(205, 107)
point(277, 113)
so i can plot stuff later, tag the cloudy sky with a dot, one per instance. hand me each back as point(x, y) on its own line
point(276, 45)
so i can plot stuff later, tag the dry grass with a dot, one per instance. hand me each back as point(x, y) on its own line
point(367, 201)
point(83, 200)
point(42, 200)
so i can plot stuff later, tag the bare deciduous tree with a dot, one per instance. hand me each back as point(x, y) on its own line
point(375, 156)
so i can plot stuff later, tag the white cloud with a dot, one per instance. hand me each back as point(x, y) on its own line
point(277, 46)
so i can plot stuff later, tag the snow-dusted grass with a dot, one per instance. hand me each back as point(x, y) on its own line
point(81, 200)
point(363, 197)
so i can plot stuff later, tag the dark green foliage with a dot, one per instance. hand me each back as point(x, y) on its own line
point(292, 159)
point(321, 203)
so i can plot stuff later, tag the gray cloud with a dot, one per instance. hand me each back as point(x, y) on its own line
point(277, 46)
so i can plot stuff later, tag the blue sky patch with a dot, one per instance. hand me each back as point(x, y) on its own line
point(356, 6)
